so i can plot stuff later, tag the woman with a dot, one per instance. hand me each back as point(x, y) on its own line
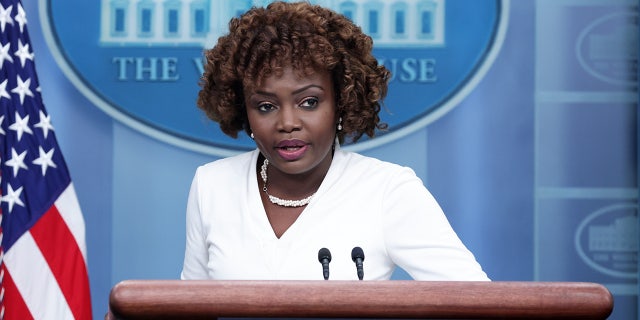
point(301, 79)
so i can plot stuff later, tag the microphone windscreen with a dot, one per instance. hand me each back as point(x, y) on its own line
point(357, 253)
point(324, 254)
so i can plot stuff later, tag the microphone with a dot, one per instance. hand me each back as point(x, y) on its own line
point(357, 255)
point(324, 256)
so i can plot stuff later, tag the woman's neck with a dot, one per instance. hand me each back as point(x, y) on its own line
point(294, 186)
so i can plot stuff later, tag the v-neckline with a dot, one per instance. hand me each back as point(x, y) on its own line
point(257, 208)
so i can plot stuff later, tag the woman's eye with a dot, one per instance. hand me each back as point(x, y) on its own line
point(266, 107)
point(309, 103)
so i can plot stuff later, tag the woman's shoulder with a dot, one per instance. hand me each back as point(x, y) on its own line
point(358, 163)
point(228, 165)
point(357, 159)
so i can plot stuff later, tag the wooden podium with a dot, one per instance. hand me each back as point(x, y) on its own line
point(190, 299)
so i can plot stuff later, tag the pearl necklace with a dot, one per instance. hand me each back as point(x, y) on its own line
point(276, 200)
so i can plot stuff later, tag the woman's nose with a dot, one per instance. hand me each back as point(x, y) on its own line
point(288, 119)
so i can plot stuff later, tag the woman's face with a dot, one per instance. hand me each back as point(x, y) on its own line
point(293, 119)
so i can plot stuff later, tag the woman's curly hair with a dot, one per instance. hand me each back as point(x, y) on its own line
point(306, 37)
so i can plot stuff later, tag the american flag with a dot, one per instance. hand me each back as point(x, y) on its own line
point(44, 270)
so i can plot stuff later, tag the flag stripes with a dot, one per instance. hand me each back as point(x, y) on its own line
point(42, 234)
point(66, 262)
point(18, 309)
point(27, 267)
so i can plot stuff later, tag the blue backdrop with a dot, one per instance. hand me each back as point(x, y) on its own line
point(536, 167)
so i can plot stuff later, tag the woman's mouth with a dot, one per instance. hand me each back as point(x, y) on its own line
point(291, 150)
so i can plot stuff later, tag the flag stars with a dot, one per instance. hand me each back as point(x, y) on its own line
point(21, 126)
point(21, 188)
point(44, 124)
point(3, 89)
point(45, 160)
point(4, 54)
point(22, 89)
point(12, 197)
point(23, 53)
point(5, 17)
point(21, 18)
point(16, 161)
